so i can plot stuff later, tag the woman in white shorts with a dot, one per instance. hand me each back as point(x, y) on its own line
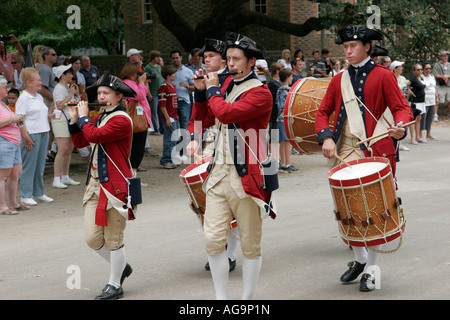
point(415, 88)
point(62, 94)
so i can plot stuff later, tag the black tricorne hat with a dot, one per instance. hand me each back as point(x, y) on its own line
point(379, 51)
point(236, 40)
point(212, 45)
point(113, 82)
point(362, 33)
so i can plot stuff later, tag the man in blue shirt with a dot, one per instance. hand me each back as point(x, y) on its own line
point(317, 68)
point(185, 87)
point(91, 75)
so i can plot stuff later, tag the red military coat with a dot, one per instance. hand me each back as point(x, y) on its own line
point(250, 113)
point(376, 86)
point(115, 136)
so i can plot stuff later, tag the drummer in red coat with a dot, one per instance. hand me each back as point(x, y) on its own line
point(235, 186)
point(376, 89)
point(106, 194)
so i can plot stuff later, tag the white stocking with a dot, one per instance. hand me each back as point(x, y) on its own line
point(219, 267)
point(104, 252)
point(360, 254)
point(250, 275)
point(372, 257)
point(117, 264)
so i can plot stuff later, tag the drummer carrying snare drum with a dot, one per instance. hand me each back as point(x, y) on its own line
point(369, 89)
point(212, 53)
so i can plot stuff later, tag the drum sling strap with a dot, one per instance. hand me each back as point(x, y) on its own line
point(355, 120)
point(356, 124)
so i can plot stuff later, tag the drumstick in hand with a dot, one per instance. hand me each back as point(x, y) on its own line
point(384, 133)
point(342, 160)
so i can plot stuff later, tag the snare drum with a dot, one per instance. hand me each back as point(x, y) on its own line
point(193, 177)
point(300, 111)
point(366, 206)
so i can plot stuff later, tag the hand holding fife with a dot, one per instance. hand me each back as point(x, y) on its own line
point(83, 109)
point(200, 83)
point(73, 114)
point(212, 79)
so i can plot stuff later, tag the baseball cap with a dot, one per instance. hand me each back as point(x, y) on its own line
point(133, 51)
point(59, 70)
point(395, 64)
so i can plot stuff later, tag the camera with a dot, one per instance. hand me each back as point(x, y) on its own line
point(149, 75)
point(4, 38)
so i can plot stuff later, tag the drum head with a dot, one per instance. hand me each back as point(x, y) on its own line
point(300, 111)
point(363, 170)
point(196, 172)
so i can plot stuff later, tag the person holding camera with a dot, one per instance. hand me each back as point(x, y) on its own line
point(62, 94)
point(6, 66)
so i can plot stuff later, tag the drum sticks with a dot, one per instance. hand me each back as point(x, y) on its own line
point(342, 160)
point(384, 133)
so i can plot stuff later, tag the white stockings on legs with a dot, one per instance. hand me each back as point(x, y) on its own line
point(367, 256)
point(219, 267)
point(117, 261)
point(251, 269)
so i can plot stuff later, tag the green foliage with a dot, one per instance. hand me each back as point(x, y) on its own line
point(415, 30)
point(44, 22)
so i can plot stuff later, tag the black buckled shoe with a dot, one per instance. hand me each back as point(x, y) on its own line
point(354, 270)
point(126, 273)
point(109, 292)
point(367, 282)
point(232, 264)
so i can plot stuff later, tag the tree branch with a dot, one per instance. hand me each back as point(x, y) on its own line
point(170, 19)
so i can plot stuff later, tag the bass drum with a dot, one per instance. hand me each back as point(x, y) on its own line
point(300, 110)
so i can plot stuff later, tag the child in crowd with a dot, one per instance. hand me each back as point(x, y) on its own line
point(167, 102)
point(285, 146)
point(13, 95)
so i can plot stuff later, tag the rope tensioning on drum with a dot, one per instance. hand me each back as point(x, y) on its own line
point(395, 222)
point(364, 236)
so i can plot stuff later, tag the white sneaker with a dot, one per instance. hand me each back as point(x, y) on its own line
point(59, 185)
point(43, 198)
point(435, 117)
point(69, 181)
point(403, 148)
point(28, 201)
